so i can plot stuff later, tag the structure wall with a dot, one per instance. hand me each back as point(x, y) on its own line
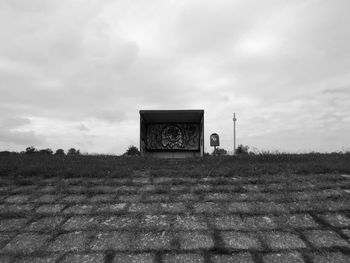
point(174, 136)
point(173, 154)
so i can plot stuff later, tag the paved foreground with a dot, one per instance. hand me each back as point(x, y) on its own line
point(144, 218)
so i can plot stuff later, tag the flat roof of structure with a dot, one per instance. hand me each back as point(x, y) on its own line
point(171, 116)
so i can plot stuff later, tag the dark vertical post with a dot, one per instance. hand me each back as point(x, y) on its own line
point(234, 133)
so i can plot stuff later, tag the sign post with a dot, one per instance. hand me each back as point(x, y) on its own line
point(214, 141)
point(234, 133)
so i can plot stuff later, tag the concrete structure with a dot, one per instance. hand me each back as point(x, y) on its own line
point(172, 133)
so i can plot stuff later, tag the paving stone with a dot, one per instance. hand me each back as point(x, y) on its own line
point(162, 180)
point(72, 241)
point(225, 187)
point(186, 180)
point(112, 207)
point(26, 243)
point(19, 208)
point(244, 257)
point(104, 188)
point(195, 240)
point(227, 222)
point(118, 181)
point(200, 188)
point(291, 257)
point(153, 240)
point(346, 232)
point(172, 208)
point(83, 258)
point(178, 188)
point(73, 198)
point(239, 240)
point(134, 258)
point(259, 222)
point(282, 240)
point(296, 221)
point(157, 197)
point(43, 259)
point(80, 222)
point(47, 198)
point(25, 188)
point(5, 259)
point(155, 221)
point(183, 258)
point(130, 198)
point(141, 180)
point(147, 188)
point(190, 222)
point(253, 187)
point(124, 189)
point(111, 240)
point(144, 207)
point(11, 224)
point(118, 222)
point(330, 257)
point(241, 207)
point(208, 207)
point(336, 219)
point(270, 207)
point(78, 209)
point(330, 205)
point(76, 189)
point(5, 237)
point(45, 224)
point(50, 208)
point(187, 197)
point(325, 238)
point(17, 198)
point(47, 189)
point(102, 198)
point(217, 196)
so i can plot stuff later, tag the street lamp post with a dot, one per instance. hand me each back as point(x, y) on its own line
point(234, 133)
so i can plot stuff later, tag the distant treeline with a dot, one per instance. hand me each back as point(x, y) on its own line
point(132, 150)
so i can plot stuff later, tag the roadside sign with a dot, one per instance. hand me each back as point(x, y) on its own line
point(214, 140)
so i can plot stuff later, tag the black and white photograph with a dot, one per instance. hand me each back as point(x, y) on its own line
point(170, 131)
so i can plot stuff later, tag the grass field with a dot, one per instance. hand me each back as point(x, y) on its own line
point(27, 165)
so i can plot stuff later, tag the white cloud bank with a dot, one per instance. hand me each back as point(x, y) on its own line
point(75, 73)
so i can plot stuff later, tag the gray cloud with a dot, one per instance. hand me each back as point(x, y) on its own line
point(79, 65)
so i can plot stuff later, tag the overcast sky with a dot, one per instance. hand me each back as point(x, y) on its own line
point(75, 73)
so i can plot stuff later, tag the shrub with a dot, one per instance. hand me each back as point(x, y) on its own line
point(59, 152)
point(241, 149)
point(46, 151)
point(132, 151)
point(30, 150)
point(219, 152)
point(73, 151)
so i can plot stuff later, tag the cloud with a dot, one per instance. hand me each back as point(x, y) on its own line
point(11, 139)
point(78, 72)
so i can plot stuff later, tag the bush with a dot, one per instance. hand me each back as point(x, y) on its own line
point(59, 152)
point(132, 151)
point(219, 152)
point(46, 151)
point(30, 150)
point(241, 149)
point(73, 151)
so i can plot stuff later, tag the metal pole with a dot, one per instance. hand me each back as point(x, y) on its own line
point(234, 133)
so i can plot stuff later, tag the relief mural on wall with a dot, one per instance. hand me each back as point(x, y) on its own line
point(179, 136)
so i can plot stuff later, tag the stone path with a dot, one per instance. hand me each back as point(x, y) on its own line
point(144, 218)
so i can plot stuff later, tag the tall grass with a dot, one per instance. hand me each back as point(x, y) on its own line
point(29, 165)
